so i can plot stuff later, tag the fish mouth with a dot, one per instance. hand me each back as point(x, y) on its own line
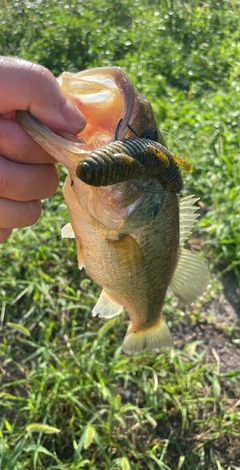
point(104, 95)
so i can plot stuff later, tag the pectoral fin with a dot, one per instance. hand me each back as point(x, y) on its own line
point(126, 251)
point(106, 307)
point(190, 278)
point(67, 231)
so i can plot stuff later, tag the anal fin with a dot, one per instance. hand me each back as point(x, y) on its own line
point(106, 307)
point(156, 337)
point(190, 278)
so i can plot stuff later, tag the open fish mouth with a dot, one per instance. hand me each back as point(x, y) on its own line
point(105, 96)
point(114, 109)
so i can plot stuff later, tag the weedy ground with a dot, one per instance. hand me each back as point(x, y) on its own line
point(69, 398)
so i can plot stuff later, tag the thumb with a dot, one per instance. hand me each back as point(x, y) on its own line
point(31, 87)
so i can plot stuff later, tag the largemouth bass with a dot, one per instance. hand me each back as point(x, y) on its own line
point(130, 232)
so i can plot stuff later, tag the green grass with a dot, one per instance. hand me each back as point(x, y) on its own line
point(69, 398)
point(107, 410)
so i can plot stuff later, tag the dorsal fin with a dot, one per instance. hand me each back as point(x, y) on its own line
point(188, 216)
point(190, 278)
point(191, 275)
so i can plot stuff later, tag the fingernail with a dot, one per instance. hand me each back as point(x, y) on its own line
point(74, 118)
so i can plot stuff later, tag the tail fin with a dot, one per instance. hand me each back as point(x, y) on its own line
point(155, 337)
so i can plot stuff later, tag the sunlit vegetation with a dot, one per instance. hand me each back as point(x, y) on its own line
point(69, 398)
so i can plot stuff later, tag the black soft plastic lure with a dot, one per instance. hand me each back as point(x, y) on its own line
point(127, 159)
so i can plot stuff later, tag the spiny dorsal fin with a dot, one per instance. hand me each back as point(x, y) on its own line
point(106, 307)
point(188, 217)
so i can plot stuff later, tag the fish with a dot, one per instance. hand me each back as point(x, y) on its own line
point(130, 230)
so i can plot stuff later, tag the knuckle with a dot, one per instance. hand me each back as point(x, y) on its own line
point(42, 78)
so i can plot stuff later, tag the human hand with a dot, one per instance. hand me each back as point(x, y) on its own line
point(27, 172)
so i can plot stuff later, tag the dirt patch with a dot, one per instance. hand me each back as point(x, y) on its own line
point(221, 334)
